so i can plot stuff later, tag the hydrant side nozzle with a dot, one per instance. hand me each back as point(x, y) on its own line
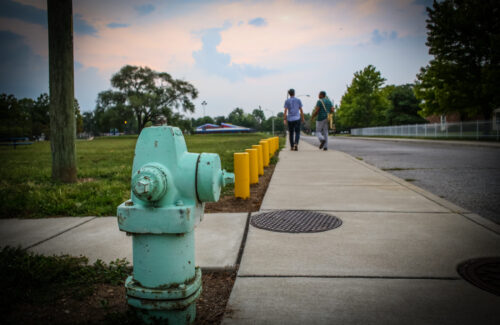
point(226, 178)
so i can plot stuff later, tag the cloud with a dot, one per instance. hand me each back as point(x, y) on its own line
point(117, 25)
point(259, 22)
point(82, 27)
point(24, 73)
point(217, 63)
point(88, 83)
point(30, 14)
point(145, 9)
point(378, 37)
point(11, 9)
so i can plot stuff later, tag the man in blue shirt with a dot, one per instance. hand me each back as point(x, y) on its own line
point(323, 107)
point(293, 115)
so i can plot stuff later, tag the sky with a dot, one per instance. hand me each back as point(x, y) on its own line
point(236, 53)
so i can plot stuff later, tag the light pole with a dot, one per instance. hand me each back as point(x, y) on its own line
point(272, 116)
point(203, 103)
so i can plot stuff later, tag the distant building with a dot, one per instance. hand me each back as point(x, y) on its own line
point(223, 128)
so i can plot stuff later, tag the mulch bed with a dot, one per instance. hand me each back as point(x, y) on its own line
point(108, 305)
point(229, 203)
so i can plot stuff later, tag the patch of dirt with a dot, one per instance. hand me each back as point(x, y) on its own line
point(229, 203)
point(107, 304)
point(211, 305)
point(68, 309)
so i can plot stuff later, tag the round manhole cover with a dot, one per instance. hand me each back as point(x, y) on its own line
point(483, 273)
point(295, 221)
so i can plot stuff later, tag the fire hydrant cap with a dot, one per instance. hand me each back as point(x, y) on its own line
point(208, 183)
point(149, 184)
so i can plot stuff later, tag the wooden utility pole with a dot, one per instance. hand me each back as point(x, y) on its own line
point(61, 84)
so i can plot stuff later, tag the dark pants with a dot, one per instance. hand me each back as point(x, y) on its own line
point(294, 127)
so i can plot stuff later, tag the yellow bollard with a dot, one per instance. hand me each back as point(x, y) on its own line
point(254, 166)
point(242, 175)
point(277, 143)
point(260, 161)
point(271, 146)
point(265, 152)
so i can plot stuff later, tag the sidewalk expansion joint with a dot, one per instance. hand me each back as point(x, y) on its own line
point(446, 278)
point(58, 234)
point(371, 211)
point(243, 241)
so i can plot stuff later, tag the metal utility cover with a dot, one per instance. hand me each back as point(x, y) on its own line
point(295, 221)
point(483, 273)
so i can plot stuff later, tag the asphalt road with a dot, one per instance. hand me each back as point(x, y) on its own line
point(466, 175)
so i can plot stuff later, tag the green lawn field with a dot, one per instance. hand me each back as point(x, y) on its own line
point(104, 170)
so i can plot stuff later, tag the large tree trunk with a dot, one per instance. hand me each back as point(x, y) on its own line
point(62, 111)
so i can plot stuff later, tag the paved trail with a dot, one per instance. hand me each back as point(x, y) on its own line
point(392, 261)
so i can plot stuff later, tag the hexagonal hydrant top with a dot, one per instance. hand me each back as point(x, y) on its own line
point(169, 189)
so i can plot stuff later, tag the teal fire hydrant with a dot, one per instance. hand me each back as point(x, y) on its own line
point(169, 189)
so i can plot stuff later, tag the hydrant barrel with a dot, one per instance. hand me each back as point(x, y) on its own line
point(149, 250)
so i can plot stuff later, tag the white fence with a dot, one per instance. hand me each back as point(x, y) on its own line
point(459, 130)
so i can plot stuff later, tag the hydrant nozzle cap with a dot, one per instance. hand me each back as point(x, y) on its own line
point(149, 184)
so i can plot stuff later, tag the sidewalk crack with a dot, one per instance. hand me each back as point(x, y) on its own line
point(58, 234)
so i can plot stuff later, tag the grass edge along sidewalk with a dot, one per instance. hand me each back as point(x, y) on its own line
point(104, 169)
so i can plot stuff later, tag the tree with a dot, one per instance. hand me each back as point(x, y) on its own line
point(61, 84)
point(78, 117)
point(203, 120)
point(219, 119)
point(279, 127)
point(259, 117)
point(363, 103)
point(147, 94)
point(236, 116)
point(89, 125)
point(15, 119)
point(404, 106)
point(464, 76)
point(40, 116)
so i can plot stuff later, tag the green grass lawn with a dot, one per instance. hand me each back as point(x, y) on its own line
point(104, 170)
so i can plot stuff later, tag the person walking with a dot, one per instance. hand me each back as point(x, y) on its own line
point(323, 107)
point(292, 116)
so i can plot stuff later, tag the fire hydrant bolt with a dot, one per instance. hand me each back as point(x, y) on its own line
point(142, 187)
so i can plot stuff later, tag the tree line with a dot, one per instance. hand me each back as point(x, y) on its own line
point(463, 77)
point(29, 118)
point(367, 103)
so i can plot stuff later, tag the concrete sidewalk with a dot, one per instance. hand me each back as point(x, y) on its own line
point(393, 260)
point(218, 238)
